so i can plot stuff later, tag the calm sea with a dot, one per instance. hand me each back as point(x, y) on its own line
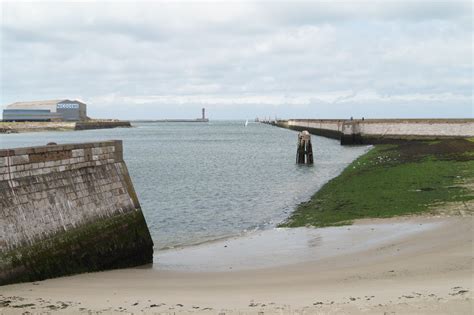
point(203, 181)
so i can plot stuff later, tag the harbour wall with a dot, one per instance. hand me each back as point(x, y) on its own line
point(375, 131)
point(98, 124)
point(30, 126)
point(67, 209)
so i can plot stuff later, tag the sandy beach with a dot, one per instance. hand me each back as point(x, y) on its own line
point(409, 265)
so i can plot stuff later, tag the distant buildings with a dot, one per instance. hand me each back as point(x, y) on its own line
point(52, 110)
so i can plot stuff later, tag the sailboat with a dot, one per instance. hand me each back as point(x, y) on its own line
point(246, 122)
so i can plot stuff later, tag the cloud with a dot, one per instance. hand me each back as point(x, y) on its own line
point(241, 59)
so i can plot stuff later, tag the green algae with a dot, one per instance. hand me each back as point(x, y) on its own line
point(119, 241)
point(392, 180)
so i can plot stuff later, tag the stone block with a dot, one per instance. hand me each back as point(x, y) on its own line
point(6, 152)
point(19, 159)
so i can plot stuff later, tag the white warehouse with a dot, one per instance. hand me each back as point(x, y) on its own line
point(50, 110)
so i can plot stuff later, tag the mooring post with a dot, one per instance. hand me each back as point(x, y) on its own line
point(304, 152)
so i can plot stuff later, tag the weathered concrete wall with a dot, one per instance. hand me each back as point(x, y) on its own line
point(66, 209)
point(371, 131)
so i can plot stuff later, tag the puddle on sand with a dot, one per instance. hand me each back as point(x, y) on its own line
point(283, 246)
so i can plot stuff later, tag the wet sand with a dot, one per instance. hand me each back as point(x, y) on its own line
point(414, 265)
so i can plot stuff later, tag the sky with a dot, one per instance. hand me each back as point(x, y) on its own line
point(241, 60)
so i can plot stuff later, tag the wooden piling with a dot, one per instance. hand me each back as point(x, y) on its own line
point(304, 152)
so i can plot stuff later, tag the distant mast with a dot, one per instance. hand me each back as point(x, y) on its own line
point(203, 113)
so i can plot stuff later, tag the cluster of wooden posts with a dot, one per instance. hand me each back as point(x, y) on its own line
point(304, 152)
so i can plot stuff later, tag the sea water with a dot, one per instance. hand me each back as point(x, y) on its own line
point(198, 182)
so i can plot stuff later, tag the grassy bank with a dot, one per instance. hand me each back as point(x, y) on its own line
point(391, 180)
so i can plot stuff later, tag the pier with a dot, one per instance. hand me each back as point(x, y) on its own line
point(67, 209)
point(198, 120)
point(375, 131)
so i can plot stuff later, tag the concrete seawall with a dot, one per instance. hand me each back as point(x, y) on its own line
point(67, 209)
point(373, 131)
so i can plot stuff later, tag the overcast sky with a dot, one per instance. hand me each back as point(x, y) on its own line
point(327, 59)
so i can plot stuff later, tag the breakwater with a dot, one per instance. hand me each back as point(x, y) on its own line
point(376, 131)
point(31, 126)
point(98, 124)
point(67, 209)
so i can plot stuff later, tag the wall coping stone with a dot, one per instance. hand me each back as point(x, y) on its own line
point(61, 147)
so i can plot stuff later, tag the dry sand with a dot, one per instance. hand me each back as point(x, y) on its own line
point(414, 265)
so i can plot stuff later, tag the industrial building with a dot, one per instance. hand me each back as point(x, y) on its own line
point(52, 110)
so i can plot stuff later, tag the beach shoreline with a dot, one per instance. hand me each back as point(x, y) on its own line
point(425, 268)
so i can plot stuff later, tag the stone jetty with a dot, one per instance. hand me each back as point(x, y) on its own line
point(67, 209)
point(375, 131)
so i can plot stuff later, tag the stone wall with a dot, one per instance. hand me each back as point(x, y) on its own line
point(66, 209)
point(439, 128)
point(100, 124)
point(371, 131)
point(330, 128)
